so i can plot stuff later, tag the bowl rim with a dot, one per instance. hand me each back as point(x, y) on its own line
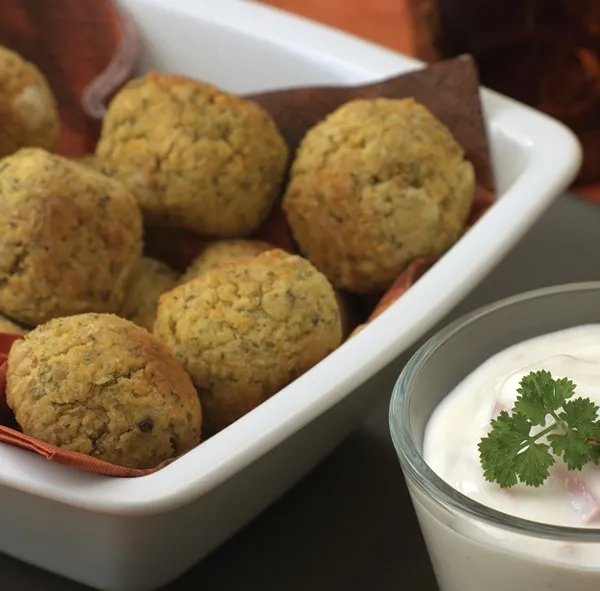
point(418, 471)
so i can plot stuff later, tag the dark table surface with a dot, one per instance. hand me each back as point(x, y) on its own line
point(349, 524)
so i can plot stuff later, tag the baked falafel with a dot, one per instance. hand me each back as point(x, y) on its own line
point(375, 185)
point(28, 111)
point(220, 252)
point(70, 238)
point(99, 385)
point(215, 160)
point(245, 330)
point(151, 278)
point(138, 182)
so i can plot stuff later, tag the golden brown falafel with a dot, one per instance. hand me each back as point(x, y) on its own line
point(221, 252)
point(245, 330)
point(28, 112)
point(215, 161)
point(150, 279)
point(141, 184)
point(100, 385)
point(70, 238)
point(377, 184)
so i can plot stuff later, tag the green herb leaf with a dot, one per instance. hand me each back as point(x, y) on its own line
point(498, 450)
point(533, 463)
point(577, 418)
point(594, 443)
point(540, 395)
point(510, 453)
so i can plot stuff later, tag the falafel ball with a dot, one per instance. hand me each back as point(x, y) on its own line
point(28, 111)
point(7, 325)
point(215, 161)
point(151, 278)
point(221, 252)
point(100, 385)
point(141, 184)
point(245, 330)
point(377, 184)
point(70, 238)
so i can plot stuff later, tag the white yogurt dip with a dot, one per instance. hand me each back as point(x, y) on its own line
point(466, 552)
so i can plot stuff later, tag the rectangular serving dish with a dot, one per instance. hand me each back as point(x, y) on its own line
point(139, 534)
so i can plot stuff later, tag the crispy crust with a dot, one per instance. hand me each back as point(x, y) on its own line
point(69, 238)
point(151, 278)
point(245, 330)
point(100, 385)
point(221, 252)
point(213, 161)
point(28, 111)
point(377, 184)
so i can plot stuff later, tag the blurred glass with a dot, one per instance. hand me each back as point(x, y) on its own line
point(545, 53)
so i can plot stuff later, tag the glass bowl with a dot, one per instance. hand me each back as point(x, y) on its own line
point(473, 547)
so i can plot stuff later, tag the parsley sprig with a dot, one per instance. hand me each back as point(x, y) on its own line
point(510, 454)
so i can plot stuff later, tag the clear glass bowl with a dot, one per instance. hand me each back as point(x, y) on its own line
point(472, 547)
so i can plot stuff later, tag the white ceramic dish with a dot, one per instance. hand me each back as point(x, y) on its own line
point(138, 534)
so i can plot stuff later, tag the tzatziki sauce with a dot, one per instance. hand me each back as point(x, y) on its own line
point(567, 498)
